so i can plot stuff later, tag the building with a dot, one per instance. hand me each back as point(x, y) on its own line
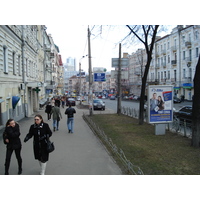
point(25, 70)
point(174, 60)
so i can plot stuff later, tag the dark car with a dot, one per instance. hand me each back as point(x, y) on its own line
point(177, 100)
point(98, 104)
point(70, 101)
point(185, 113)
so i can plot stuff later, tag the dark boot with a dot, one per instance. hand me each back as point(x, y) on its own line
point(54, 128)
point(6, 169)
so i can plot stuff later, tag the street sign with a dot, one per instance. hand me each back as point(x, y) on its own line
point(124, 62)
point(99, 69)
point(99, 77)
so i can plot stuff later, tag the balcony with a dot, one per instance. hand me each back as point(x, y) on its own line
point(188, 44)
point(174, 62)
point(164, 51)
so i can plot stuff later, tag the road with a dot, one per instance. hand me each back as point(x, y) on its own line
point(112, 104)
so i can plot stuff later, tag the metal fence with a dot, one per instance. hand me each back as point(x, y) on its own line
point(181, 127)
point(130, 168)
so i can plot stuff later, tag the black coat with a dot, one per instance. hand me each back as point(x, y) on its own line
point(70, 112)
point(48, 108)
point(40, 133)
point(12, 134)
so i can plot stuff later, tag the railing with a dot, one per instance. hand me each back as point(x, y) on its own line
point(131, 169)
point(179, 126)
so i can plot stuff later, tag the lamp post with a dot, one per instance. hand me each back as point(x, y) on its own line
point(80, 75)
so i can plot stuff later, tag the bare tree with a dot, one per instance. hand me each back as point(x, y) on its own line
point(196, 108)
point(147, 35)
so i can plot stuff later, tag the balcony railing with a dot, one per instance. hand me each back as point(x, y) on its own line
point(174, 62)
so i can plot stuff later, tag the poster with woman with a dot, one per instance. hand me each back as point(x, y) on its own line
point(160, 103)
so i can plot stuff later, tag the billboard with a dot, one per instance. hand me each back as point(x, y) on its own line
point(99, 77)
point(160, 103)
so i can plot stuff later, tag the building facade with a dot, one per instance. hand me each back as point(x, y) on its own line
point(25, 70)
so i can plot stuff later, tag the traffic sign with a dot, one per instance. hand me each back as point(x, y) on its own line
point(124, 62)
point(99, 77)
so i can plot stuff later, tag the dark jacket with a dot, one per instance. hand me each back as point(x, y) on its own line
point(12, 134)
point(40, 133)
point(70, 112)
point(48, 108)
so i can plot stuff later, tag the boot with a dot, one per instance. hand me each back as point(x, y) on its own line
point(43, 168)
point(54, 128)
point(19, 167)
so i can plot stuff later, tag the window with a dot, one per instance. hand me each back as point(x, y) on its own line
point(5, 59)
point(14, 66)
point(197, 52)
point(184, 75)
point(183, 55)
point(168, 58)
point(168, 74)
point(196, 35)
point(190, 55)
point(19, 65)
point(175, 75)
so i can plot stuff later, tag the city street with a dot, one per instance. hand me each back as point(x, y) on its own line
point(80, 153)
point(112, 104)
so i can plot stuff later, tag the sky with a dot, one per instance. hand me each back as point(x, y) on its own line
point(72, 42)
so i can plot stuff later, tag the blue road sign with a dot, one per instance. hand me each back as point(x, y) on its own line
point(99, 77)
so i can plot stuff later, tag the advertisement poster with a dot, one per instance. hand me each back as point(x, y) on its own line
point(160, 103)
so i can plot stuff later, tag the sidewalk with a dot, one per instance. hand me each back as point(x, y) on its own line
point(80, 153)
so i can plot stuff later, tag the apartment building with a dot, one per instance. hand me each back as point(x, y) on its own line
point(25, 70)
point(173, 62)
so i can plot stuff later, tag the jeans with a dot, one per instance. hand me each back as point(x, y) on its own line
point(55, 124)
point(70, 124)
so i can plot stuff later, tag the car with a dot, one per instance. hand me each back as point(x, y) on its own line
point(112, 97)
point(184, 113)
point(71, 101)
point(98, 104)
point(177, 100)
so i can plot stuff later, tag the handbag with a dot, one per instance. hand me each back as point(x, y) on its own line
point(58, 118)
point(50, 146)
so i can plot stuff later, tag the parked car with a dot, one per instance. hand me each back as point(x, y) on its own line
point(70, 101)
point(98, 104)
point(185, 113)
point(177, 100)
point(112, 97)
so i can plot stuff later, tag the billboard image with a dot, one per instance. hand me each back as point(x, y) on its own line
point(160, 101)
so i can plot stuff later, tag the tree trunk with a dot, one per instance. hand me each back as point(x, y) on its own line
point(196, 108)
point(142, 96)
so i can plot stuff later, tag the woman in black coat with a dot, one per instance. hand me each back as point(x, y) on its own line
point(40, 131)
point(13, 142)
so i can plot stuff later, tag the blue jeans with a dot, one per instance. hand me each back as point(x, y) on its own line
point(70, 124)
point(56, 124)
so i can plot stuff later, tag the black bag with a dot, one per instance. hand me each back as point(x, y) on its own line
point(58, 118)
point(50, 146)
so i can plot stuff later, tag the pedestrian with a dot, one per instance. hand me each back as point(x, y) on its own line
point(40, 131)
point(48, 110)
point(13, 142)
point(52, 102)
point(57, 101)
point(55, 111)
point(70, 118)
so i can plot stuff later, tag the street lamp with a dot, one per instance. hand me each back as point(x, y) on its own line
point(80, 74)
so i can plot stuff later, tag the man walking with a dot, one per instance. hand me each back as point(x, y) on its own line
point(70, 120)
point(56, 117)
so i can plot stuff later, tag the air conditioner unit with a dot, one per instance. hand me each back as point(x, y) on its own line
point(22, 86)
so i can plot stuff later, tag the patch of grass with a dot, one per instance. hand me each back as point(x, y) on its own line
point(166, 154)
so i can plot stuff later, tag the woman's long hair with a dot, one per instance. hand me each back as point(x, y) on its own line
point(8, 122)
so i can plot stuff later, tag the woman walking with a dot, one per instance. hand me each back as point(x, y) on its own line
point(40, 131)
point(48, 110)
point(13, 142)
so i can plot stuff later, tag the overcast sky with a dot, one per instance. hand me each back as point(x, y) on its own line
point(72, 42)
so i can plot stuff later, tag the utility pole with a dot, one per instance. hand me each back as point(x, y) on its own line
point(80, 82)
point(90, 73)
point(119, 83)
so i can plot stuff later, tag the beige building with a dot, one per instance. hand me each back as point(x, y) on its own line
point(25, 70)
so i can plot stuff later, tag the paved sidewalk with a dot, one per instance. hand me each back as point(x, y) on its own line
point(80, 153)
